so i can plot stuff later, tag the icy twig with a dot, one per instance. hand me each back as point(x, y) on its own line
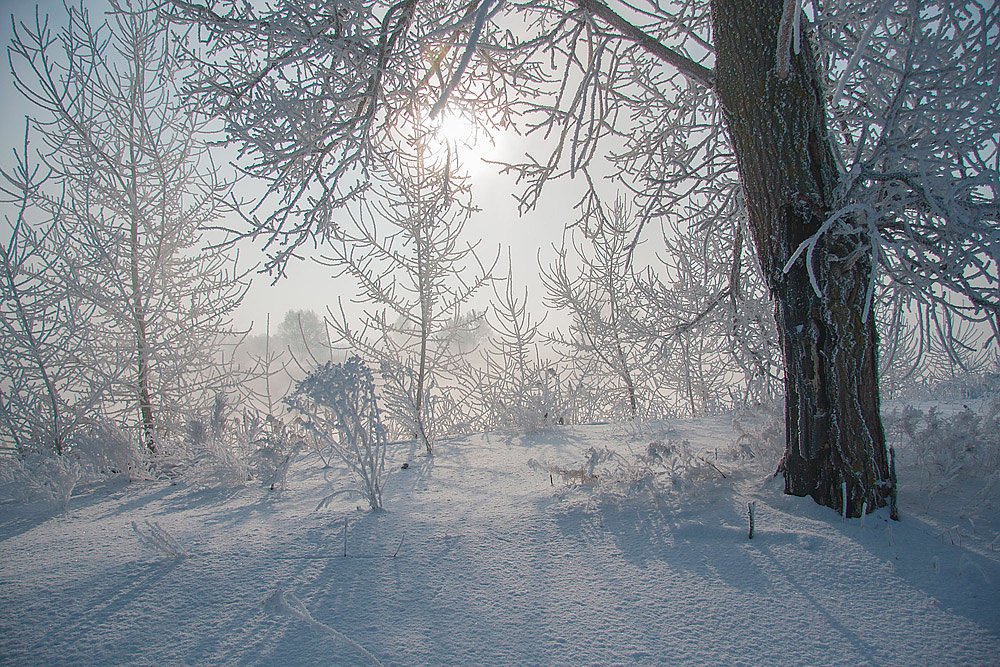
point(843, 493)
point(852, 64)
point(713, 466)
point(482, 15)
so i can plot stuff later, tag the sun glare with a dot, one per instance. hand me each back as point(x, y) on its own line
point(468, 142)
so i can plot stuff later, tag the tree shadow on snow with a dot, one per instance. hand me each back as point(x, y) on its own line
point(915, 553)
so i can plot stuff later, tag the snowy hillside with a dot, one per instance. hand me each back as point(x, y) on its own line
point(501, 550)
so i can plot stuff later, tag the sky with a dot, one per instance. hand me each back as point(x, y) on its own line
point(309, 286)
point(496, 227)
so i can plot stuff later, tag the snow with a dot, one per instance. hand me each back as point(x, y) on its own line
point(480, 559)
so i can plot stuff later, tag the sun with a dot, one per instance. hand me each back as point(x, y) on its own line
point(467, 140)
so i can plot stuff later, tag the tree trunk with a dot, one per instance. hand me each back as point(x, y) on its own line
point(141, 341)
point(424, 293)
point(138, 307)
point(777, 128)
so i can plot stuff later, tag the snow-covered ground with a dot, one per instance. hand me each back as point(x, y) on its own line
point(482, 558)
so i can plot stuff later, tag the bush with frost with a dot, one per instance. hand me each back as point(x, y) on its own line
point(951, 453)
point(336, 403)
point(760, 435)
point(661, 468)
point(109, 451)
point(274, 446)
point(215, 449)
point(93, 453)
point(41, 477)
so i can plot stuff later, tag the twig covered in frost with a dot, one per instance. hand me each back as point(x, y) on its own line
point(596, 288)
point(662, 467)
point(843, 493)
point(158, 539)
point(713, 466)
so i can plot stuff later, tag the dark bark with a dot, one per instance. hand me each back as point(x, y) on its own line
point(777, 127)
point(691, 69)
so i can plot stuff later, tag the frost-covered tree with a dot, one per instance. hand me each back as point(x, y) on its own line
point(685, 326)
point(863, 136)
point(703, 310)
point(596, 287)
point(406, 252)
point(889, 180)
point(507, 385)
point(45, 388)
point(132, 186)
point(304, 333)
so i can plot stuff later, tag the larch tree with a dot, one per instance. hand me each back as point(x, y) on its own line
point(46, 389)
point(415, 274)
point(507, 386)
point(132, 186)
point(596, 288)
point(863, 136)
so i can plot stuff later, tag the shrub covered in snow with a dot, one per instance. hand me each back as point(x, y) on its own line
point(274, 445)
point(958, 454)
point(338, 406)
point(41, 477)
point(760, 435)
point(216, 450)
point(93, 453)
point(109, 451)
point(224, 448)
point(661, 468)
